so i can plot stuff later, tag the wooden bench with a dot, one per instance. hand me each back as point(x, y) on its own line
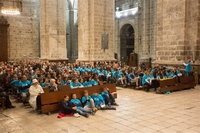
point(187, 82)
point(50, 100)
point(64, 87)
point(61, 88)
point(173, 85)
point(2, 101)
point(168, 85)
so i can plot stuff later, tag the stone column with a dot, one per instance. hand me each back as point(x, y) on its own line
point(53, 30)
point(171, 27)
point(95, 18)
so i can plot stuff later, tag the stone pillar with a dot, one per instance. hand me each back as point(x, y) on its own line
point(95, 18)
point(171, 27)
point(53, 30)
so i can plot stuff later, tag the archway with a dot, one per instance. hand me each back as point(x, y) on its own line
point(126, 42)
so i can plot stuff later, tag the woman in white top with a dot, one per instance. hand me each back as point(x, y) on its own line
point(34, 91)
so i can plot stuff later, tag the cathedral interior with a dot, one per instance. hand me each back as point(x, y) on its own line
point(132, 32)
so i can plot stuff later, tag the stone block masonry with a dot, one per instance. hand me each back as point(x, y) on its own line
point(23, 33)
point(95, 18)
point(53, 30)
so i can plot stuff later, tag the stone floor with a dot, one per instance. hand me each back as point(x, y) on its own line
point(139, 112)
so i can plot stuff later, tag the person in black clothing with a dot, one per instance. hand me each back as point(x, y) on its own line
point(66, 107)
point(8, 103)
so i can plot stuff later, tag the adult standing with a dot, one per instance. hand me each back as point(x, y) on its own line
point(187, 65)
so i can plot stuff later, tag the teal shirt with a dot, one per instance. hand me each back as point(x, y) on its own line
point(188, 66)
point(76, 102)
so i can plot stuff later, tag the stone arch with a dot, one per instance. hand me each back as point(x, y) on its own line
point(127, 42)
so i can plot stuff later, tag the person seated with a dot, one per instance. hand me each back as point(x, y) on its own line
point(114, 75)
point(40, 79)
point(95, 80)
point(122, 78)
point(82, 80)
point(170, 73)
point(108, 97)
point(65, 81)
point(88, 102)
point(99, 102)
point(146, 80)
point(66, 107)
point(35, 90)
point(109, 76)
point(53, 86)
point(164, 75)
point(7, 103)
point(155, 83)
point(59, 80)
point(88, 82)
point(158, 75)
point(75, 84)
point(102, 74)
point(133, 79)
point(46, 83)
point(24, 85)
point(15, 84)
point(79, 109)
point(178, 72)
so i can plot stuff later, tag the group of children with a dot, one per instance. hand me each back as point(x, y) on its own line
point(87, 105)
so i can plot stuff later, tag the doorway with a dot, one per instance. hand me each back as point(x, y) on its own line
point(3, 39)
point(127, 42)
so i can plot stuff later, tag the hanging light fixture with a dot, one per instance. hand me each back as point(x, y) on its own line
point(126, 13)
point(10, 10)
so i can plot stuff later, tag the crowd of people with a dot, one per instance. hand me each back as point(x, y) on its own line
point(28, 78)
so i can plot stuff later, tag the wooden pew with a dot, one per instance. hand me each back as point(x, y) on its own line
point(50, 100)
point(2, 101)
point(168, 85)
point(187, 82)
point(173, 85)
point(64, 87)
point(46, 89)
point(61, 88)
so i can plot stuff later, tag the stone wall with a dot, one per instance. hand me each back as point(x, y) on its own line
point(23, 31)
point(191, 30)
point(95, 18)
point(171, 30)
point(53, 29)
point(177, 31)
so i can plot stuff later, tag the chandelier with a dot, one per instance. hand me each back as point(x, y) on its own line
point(10, 10)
